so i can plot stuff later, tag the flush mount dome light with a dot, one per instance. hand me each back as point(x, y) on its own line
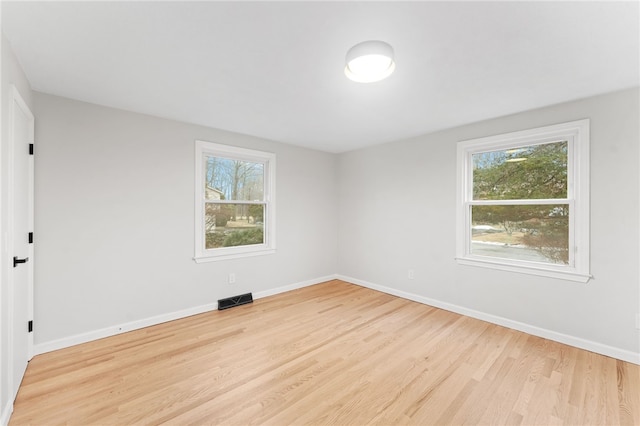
point(369, 61)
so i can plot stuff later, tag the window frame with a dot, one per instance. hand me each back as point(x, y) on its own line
point(576, 133)
point(204, 148)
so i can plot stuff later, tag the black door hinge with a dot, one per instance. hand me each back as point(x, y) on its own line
point(30, 149)
point(17, 261)
point(30, 326)
point(30, 237)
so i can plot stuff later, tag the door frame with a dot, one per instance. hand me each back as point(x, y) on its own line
point(18, 102)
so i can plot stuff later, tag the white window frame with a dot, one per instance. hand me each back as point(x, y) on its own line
point(577, 135)
point(202, 254)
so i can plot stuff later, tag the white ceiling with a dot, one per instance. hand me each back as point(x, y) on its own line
point(275, 69)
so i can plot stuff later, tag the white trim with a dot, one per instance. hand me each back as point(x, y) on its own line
point(525, 202)
point(578, 342)
point(269, 201)
point(260, 252)
point(577, 135)
point(542, 269)
point(7, 410)
point(31, 226)
point(285, 288)
point(89, 336)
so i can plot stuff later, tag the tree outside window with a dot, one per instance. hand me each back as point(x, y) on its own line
point(523, 201)
point(241, 222)
point(537, 172)
point(234, 202)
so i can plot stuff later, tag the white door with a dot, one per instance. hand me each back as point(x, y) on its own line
point(20, 238)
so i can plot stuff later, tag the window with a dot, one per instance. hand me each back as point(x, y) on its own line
point(235, 205)
point(523, 201)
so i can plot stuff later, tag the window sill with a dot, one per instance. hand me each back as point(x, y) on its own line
point(229, 256)
point(568, 275)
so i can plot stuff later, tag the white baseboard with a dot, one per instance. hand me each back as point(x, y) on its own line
point(89, 336)
point(577, 342)
point(77, 339)
point(278, 290)
point(5, 415)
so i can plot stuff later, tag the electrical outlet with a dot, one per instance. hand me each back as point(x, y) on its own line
point(232, 278)
point(410, 274)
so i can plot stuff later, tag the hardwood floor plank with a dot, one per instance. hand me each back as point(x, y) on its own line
point(333, 353)
point(628, 380)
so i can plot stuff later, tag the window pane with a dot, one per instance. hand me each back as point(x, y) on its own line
point(528, 172)
point(228, 179)
point(538, 233)
point(231, 225)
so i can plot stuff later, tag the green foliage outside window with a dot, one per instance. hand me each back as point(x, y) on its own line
point(236, 238)
point(527, 173)
point(533, 172)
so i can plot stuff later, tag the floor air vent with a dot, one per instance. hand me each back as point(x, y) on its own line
point(230, 302)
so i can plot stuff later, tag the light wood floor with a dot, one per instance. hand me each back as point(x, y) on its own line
point(332, 353)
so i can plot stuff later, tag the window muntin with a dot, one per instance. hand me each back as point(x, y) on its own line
point(535, 231)
point(523, 201)
point(234, 202)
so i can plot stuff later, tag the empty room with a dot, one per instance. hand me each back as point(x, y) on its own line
point(314, 213)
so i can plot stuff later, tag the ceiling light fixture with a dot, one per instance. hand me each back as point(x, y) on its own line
point(369, 61)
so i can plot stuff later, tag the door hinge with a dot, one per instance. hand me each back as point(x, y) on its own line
point(30, 237)
point(30, 326)
point(17, 261)
point(30, 149)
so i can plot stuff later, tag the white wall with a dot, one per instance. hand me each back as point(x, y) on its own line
point(114, 227)
point(397, 212)
point(114, 223)
point(11, 74)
